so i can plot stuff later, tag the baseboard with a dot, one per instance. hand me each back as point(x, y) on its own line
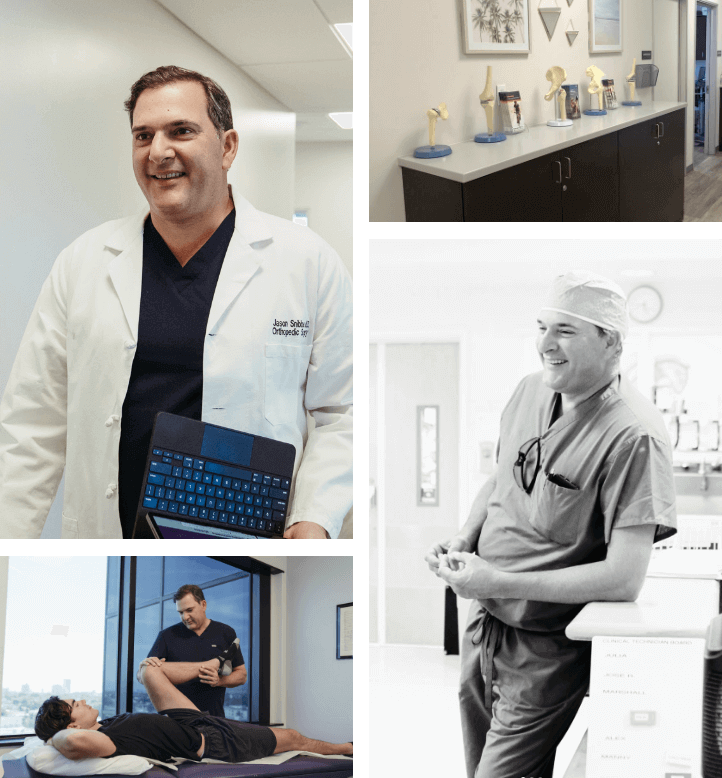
point(690, 168)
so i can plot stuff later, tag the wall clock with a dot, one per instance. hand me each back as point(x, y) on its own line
point(645, 304)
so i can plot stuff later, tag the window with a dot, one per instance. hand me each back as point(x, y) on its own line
point(54, 633)
point(79, 626)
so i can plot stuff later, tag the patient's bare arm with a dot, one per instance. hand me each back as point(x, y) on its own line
point(63, 741)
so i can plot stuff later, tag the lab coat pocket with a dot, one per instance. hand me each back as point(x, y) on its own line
point(285, 374)
point(69, 528)
point(558, 513)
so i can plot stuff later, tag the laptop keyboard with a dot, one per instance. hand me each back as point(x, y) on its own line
point(216, 493)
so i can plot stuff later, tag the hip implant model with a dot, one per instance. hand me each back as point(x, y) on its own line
point(486, 98)
point(557, 76)
point(432, 150)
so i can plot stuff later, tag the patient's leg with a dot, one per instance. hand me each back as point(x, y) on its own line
point(290, 740)
point(160, 687)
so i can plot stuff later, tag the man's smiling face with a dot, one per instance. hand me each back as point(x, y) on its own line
point(179, 161)
point(574, 356)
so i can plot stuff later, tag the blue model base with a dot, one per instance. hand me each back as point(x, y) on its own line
point(595, 112)
point(484, 137)
point(631, 102)
point(427, 152)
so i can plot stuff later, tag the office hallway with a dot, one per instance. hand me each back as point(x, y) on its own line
point(703, 190)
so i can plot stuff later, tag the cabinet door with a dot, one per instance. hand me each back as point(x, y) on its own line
point(526, 193)
point(590, 180)
point(429, 198)
point(651, 169)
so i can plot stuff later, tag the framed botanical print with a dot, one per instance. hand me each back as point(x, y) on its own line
point(605, 26)
point(496, 26)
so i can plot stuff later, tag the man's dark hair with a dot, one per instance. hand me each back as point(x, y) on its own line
point(196, 591)
point(52, 717)
point(218, 104)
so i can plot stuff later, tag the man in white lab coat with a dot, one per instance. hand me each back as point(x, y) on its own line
point(203, 307)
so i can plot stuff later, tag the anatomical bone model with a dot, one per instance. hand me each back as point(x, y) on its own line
point(631, 79)
point(595, 87)
point(557, 75)
point(434, 114)
point(486, 98)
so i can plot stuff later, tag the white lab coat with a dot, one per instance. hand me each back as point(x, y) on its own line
point(63, 402)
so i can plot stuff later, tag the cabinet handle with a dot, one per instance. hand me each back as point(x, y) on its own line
point(569, 166)
point(661, 134)
point(655, 134)
point(560, 172)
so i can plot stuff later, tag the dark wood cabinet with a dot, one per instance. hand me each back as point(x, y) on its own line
point(651, 169)
point(526, 192)
point(633, 174)
point(590, 180)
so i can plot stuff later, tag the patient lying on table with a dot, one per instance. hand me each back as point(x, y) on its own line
point(179, 729)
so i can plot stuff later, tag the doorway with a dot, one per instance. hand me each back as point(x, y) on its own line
point(705, 103)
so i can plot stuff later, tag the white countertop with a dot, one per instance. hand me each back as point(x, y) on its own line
point(666, 607)
point(471, 160)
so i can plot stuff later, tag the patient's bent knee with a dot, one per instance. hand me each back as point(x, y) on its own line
point(147, 672)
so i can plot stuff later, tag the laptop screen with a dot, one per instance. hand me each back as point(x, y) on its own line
point(175, 529)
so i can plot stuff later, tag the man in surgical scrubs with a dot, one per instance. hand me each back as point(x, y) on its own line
point(583, 487)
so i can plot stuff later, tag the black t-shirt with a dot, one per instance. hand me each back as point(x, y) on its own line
point(151, 735)
point(180, 644)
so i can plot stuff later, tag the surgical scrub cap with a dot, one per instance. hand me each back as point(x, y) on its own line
point(591, 298)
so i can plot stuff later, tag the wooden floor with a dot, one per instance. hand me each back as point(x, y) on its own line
point(703, 190)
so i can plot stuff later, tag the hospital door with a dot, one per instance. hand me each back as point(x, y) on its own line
point(414, 483)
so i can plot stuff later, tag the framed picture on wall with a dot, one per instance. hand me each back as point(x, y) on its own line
point(605, 26)
point(344, 631)
point(495, 26)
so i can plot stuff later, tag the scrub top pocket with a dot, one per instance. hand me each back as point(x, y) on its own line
point(558, 513)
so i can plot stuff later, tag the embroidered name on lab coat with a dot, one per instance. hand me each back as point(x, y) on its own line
point(291, 329)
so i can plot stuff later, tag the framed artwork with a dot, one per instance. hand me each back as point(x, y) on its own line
point(344, 631)
point(496, 26)
point(605, 26)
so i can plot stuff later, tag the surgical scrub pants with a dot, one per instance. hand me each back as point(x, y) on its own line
point(520, 691)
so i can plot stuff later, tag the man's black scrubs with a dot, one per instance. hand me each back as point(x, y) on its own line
point(180, 644)
point(167, 373)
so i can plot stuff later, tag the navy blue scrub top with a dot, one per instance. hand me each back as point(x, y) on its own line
point(180, 644)
point(167, 373)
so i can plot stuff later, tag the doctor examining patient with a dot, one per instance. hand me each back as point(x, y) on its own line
point(189, 667)
point(174, 310)
point(583, 487)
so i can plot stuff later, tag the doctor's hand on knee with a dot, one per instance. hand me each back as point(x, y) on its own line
point(436, 552)
point(306, 529)
point(151, 661)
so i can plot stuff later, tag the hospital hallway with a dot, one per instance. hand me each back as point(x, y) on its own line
point(415, 727)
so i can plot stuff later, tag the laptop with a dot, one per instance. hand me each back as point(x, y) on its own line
point(206, 481)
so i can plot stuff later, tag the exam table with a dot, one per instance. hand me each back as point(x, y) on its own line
point(299, 766)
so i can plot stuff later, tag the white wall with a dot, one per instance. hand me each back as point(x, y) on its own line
point(417, 60)
point(319, 686)
point(324, 186)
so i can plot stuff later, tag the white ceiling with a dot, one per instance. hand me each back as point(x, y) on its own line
point(288, 48)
